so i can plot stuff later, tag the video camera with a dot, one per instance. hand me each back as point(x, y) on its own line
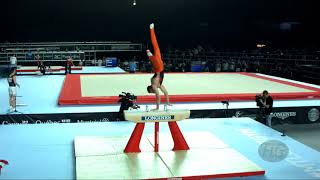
point(259, 98)
point(127, 101)
point(128, 96)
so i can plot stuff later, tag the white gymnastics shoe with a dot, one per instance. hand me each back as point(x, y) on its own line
point(149, 53)
point(151, 26)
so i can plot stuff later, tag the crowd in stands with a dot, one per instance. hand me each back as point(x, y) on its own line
point(277, 62)
point(288, 63)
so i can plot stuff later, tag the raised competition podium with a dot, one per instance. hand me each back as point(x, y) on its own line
point(136, 157)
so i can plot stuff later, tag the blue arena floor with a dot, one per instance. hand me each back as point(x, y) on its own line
point(39, 95)
point(46, 151)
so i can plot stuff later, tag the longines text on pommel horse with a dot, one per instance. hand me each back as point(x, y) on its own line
point(142, 117)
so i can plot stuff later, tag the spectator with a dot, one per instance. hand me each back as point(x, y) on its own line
point(132, 65)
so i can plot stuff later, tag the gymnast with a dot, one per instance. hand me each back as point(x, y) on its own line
point(12, 81)
point(157, 64)
point(68, 65)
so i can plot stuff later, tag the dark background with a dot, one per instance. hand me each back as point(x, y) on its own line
point(179, 23)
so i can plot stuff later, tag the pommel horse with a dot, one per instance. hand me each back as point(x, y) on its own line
point(142, 117)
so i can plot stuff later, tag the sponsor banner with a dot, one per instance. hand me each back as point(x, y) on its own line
point(57, 118)
point(279, 115)
point(298, 115)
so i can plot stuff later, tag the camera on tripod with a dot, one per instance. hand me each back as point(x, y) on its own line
point(127, 101)
point(259, 100)
point(127, 96)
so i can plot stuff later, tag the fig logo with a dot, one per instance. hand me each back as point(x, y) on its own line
point(2, 164)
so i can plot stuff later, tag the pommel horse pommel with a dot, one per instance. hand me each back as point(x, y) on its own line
point(142, 117)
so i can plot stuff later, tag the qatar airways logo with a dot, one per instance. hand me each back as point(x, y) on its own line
point(154, 118)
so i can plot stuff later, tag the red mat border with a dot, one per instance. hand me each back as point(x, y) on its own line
point(71, 93)
point(230, 175)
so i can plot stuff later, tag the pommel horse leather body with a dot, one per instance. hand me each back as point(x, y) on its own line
point(156, 116)
point(141, 117)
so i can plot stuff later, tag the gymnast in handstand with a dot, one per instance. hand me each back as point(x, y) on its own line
point(157, 64)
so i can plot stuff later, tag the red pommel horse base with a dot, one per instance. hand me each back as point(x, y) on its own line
point(142, 117)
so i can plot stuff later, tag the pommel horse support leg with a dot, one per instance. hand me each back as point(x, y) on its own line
point(134, 141)
point(170, 116)
point(177, 136)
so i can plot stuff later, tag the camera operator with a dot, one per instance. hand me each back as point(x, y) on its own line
point(265, 102)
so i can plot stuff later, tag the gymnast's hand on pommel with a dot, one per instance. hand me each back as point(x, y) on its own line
point(151, 26)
